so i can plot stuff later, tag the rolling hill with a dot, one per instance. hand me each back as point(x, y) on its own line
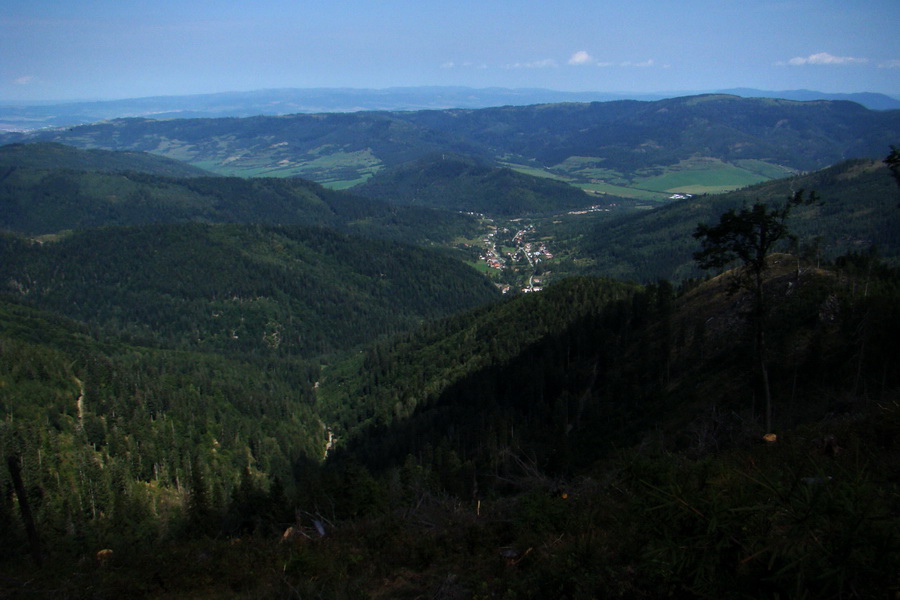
point(48, 188)
point(52, 156)
point(621, 144)
point(458, 183)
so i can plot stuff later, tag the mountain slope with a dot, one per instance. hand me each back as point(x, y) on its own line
point(453, 182)
point(59, 156)
point(870, 100)
point(630, 135)
point(559, 443)
point(858, 211)
point(47, 188)
point(405, 376)
point(613, 364)
point(239, 289)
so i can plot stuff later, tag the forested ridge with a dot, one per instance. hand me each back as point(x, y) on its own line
point(259, 407)
point(38, 200)
point(59, 156)
point(466, 184)
point(857, 212)
point(235, 288)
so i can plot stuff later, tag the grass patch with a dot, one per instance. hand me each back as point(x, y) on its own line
point(707, 176)
point(335, 170)
point(764, 169)
point(480, 266)
point(536, 172)
point(603, 189)
point(590, 168)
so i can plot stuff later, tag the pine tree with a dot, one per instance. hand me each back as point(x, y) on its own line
point(748, 236)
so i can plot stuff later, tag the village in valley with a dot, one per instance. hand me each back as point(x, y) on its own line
point(514, 254)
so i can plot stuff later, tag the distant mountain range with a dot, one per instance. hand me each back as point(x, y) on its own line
point(694, 144)
point(23, 117)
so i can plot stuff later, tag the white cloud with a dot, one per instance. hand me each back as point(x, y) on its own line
point(464, 65)
point(24, 80)
point(890, 64)
point(581, 58)
point(538, 64)
point(647, 63)
point(823, 58)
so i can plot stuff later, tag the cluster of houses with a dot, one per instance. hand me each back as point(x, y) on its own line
point(592, 209)
point(538, 253)
point(532, 252)
point(491, 256)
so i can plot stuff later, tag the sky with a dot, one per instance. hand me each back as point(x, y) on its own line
point(53, 50)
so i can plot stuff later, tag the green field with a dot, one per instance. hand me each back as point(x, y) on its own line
point(481, 266)
point(333, 169)
point(606, 189)
point(336, 169)
point(698, 175)
point(705, 181)
point(710, 176)
point(536, 172)
point(589, 168)
point(583, 175)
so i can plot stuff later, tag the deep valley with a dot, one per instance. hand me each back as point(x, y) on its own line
point(624, 349)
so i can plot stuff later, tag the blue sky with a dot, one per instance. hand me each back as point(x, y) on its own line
point(105, 49)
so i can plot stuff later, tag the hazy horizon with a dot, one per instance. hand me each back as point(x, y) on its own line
point(618, 93)
point(107, 50)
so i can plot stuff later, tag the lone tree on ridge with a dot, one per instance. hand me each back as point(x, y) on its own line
point(748, 236)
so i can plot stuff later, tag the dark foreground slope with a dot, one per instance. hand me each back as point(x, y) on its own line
point(622, 455)
point(592, 360)
point(597, 440)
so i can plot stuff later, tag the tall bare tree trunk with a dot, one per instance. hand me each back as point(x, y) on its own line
point(15, 472)
point(760, 323)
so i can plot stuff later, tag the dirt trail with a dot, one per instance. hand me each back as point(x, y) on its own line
point(329, 434)
point(79, 403)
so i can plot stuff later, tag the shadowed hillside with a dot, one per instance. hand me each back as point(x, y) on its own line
point(233, 288)
point(596, 439)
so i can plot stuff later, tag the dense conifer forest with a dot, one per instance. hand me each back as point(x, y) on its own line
point(227, 388)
